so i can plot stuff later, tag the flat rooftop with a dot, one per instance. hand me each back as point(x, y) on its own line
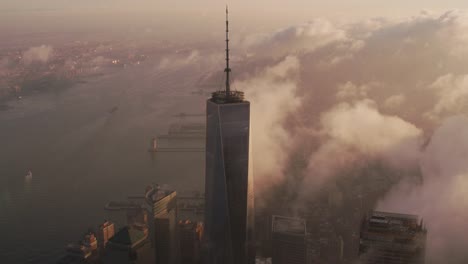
point(288, 225)
point(129, 237)
point(395, 215)
point(385, 226)
point(154, 194)
point(224, 97)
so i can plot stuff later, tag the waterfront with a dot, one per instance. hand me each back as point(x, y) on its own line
point(83, 155)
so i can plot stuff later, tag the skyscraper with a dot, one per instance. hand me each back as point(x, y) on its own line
point(228, 190)
point(105, 232)
point(129, 246)
point(390, 238)
point(190, 234)
point(289, 240)
point(164, 209)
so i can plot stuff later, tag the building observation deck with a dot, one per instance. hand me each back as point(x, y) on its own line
point(226, 97)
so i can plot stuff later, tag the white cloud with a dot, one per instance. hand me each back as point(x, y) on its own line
point(176, 61)
point(350, 91)
point(442, 199)
point(272, 93)
point(394, 101)
point(452, 95)
point(38, 54)
point(302, 38)
point(352, 132)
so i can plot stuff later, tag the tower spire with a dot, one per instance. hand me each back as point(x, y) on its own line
point(227, 96)
point(227, 70)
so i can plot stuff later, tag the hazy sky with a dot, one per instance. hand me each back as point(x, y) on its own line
point(272, 7)
point(367, 91)
point(179, 17)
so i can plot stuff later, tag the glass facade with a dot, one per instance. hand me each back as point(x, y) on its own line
point(228, 190)
point(164, 221)
point(288, 240)
point(392, 238)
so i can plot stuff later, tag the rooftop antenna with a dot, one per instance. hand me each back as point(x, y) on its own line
point(227, 70)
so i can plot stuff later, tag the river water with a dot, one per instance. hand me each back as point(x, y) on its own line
point(82, 154)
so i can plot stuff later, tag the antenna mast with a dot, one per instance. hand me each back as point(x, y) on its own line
point(227, 70)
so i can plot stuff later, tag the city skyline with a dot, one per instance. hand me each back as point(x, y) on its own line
point(353, 127)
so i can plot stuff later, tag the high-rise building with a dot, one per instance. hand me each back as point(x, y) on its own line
point(129, 246)
point(190, 238)
point(164, 213)
point(390, 238)
point(228, 188)
point(137, 216)
point(105, 232)
point(263, 234)
point(289, 240)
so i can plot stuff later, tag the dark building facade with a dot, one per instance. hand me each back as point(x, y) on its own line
point(164, 224)
point(228, 190)
point(190, 238)
point(289, 240)
point(389, 238)
point(105, 232)
point(129, 246)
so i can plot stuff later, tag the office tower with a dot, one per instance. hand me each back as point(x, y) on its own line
point(390, 238)
point(190, 238)
point(164, 208)
point(191, 206)
point(137, 216)
point(129, 246)
point(105, 232)
point(228, 196)
point(263, 233)
point(289, 240)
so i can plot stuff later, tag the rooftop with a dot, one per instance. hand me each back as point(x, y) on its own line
point(128, 236)
point(384, 221)
point(391, 227)
point(282, 224)
point(226, 97)
point(395, 215)
point(155, 194)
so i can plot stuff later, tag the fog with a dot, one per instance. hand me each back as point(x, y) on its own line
point(374, 90)
point(340, 93)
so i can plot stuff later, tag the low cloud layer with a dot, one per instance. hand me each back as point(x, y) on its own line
point(339, 95)
point(177, 60)
point(272, 93)
point(38, 54)
point(351, 132)
point(380, 89)
point(441, 200)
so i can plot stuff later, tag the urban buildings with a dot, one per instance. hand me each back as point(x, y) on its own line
point(105, 232)
point(228, 194)
point(190, 238)
point(90, 241)
point(62, 66)
point(190, 206)
point(137, 217)
point(83, 252)
point(390, 238)
point(129, 245)
point(289, 240)
point(164, 221)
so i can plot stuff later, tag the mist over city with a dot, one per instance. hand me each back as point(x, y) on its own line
point(302, 132)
